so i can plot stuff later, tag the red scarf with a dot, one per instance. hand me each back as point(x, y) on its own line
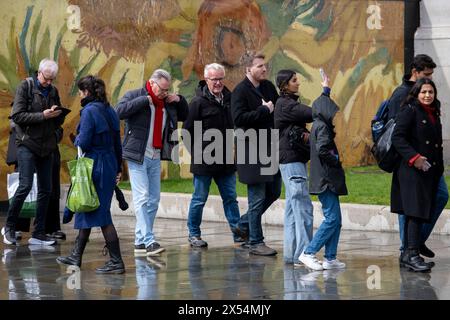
point(430, 111)
point(158, 123)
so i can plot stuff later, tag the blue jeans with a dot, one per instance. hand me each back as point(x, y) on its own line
point(298, 214)
point(227, 189)
point(29, 163)
point(260, 196)
point(330, 229)
point(145, 182)
point(427, 228)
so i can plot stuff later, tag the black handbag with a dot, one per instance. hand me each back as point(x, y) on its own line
point(296, 140)
point(383, 150)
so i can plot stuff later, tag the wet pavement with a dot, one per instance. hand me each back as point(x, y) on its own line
point(220, 272)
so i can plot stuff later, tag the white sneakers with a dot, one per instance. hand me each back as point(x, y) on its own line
point(310, 261)
point(333, 264)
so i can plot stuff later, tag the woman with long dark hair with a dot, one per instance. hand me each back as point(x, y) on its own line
point(98, 136)
point(417, 137)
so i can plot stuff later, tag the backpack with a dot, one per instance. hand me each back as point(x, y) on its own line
point(11, 154)
point(380, 120)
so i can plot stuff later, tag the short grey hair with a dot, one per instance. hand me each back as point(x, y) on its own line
point(48, 65)
point(158, 74)
point(215, 66)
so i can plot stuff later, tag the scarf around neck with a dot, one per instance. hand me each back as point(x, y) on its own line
point(158, 122)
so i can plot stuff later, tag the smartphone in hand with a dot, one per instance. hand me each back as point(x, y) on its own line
point(426, 166)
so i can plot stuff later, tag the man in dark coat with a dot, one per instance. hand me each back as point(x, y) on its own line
point(210, 114)
point(252, 105)
point(36, 124)
point(151, 114)
point(422, 67)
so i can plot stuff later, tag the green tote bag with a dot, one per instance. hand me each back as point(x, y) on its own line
point(82, 194)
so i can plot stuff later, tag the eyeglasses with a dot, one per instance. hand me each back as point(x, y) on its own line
point(162, 90)
point(215, 79)
point(46, 79)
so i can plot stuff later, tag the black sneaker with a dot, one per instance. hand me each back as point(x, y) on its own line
point(140, 249)
point(9, 236)
point(197, 242)
point(42, 240)
point(154, 248)
point(57, 235)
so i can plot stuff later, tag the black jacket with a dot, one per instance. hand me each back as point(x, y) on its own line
point(399, 96)
point(249, 113)
point(134, 107)
point(414, 191)
point(40, 135)
point(213, 115)
point(289, 112)
point(325, 169)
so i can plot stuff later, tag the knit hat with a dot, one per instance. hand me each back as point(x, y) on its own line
point(283, 77)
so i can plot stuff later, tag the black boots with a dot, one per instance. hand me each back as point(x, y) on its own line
point(413, 261)
point(75, 257)
point(425, 251)
point(115, 264)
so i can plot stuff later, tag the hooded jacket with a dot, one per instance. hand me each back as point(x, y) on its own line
point(213, 115)
point(326, 170)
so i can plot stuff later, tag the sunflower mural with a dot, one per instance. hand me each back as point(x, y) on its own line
point(358, 43)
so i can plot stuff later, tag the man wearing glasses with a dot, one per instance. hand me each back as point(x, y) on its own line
point(210, 110)
point(37, 118)
point(151, 114)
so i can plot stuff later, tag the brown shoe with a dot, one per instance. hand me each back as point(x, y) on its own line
point(261, 249)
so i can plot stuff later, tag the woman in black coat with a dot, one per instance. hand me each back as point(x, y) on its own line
point(417, 137)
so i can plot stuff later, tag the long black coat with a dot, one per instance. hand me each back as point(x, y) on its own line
point(249, 113)
point(413, 191)
point(290, 112)
point(212, 115)
point(326, 169)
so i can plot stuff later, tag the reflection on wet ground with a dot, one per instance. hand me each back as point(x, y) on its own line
point(219, 272)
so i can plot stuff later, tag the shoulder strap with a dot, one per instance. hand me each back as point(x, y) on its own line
point(106, 116)
point(29, 92)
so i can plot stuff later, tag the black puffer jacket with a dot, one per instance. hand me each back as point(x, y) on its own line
point(326, 169)
point(32, 129)
point(212, 115)
point(289, 112)
point(134, 107)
